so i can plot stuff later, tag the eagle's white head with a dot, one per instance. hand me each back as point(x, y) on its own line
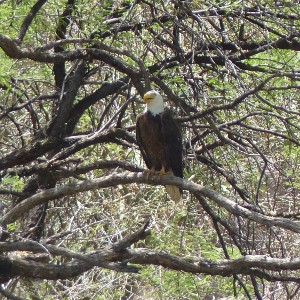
point(154, 102)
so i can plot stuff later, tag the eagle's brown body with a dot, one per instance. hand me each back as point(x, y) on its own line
point(160, 142)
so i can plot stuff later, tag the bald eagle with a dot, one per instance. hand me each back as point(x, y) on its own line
point(159, 139)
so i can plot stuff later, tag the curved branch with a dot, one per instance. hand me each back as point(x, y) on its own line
point(111, 135)
point(13, 50)
point(28, 19)
point(243, 265)
point(127, 178)
point(30, 152)
point(105, 90)
point(57, 127)
point(231, 105)
point(59, 68)
point(60, 171)
point(118, 256)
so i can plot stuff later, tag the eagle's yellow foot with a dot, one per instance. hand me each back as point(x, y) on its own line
point(149, 172)
point(162, 172)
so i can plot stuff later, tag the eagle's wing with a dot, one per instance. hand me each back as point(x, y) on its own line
point(140, 142)
point(173, 141)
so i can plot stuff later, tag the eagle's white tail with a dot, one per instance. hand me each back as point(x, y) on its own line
point(174, 192)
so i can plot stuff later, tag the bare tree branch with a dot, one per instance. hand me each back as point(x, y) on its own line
point(27, 21)
point(118, 257)
point(126, 178)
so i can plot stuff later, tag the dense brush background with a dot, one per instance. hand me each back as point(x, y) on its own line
point(72, 75)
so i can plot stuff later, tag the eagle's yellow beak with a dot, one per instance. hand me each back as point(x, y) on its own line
point(148, 97)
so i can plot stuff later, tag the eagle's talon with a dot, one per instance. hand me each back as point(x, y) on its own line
point(149, 171)
point(162, 172)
